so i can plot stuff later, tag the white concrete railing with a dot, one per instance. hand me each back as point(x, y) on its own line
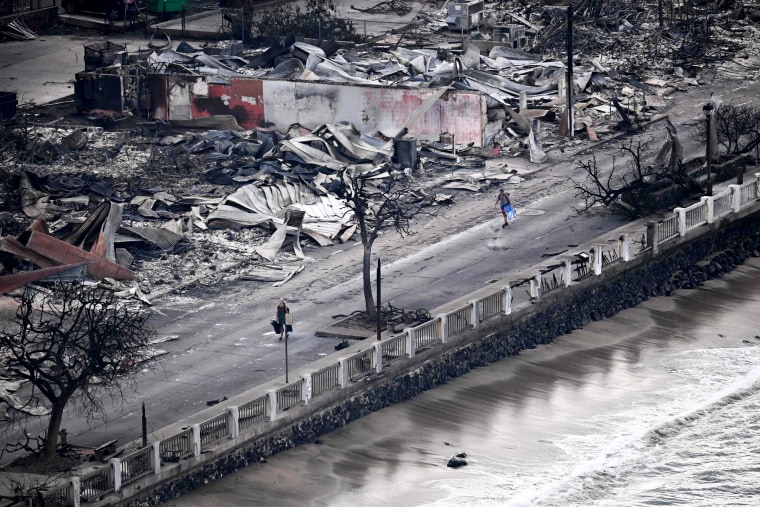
point(177, 447)
point(438, 330)
point(214, 430)
point(692, 216)
point(252, 412)
point(96, 483)
point(720, 205)
point(325, 379)
point(135, 465)
point(669, 228)
point(394, 349)
point(360, 364)
point(425, 335)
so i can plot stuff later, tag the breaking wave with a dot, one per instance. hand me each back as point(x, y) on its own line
point(638, 463)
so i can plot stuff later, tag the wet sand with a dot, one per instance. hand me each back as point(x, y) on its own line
point(508, 417)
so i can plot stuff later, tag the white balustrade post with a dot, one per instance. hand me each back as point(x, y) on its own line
point(625, 246)
point(343, 373)
point(535, 287)
point(681, 212)
point(272, 401)
point(116, 472)
point(709, 203)
point(596, 253)
point(736, 198)
point(567, 272)
point(443, 326)
point(75, 491)
point(378, 357)
point(196, 440)
point(757, 184)
point(307, 388)
point(475, 313)
point(233, 416)
point(410, 342)
point(157, 457)
point(507, 300)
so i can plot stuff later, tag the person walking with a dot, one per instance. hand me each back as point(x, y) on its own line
point(282, 312)
point(502, 201)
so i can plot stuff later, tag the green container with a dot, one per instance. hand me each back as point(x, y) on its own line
point(161, 6)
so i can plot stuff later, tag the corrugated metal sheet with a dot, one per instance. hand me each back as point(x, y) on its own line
point(162, 238)
point(65, 253)
point(270, 249)
point(255, 204)
point(12, 245)
point(11, 282)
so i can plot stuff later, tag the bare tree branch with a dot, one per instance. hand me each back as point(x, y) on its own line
point(627, 189)
point(392, 203)
point(76, 346)
point(738, 129)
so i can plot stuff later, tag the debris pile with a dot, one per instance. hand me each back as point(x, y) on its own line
point(629, 60)
point(219, 199)
point(231, 196)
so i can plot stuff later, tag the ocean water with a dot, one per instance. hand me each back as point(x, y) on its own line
point(659, 405)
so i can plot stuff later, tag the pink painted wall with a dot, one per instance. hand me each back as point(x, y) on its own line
point(371, 109)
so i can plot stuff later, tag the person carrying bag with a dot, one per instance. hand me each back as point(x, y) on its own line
point(505, 205)
point(284, 319)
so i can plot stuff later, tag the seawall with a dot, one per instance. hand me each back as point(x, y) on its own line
point(703, 253)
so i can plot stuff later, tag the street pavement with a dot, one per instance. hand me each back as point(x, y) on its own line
point(223, 344)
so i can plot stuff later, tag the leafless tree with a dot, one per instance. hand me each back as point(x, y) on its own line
point(738, 128)
point(617, 190)
point(73, 344)
point(626, 189)
point(29, 489)
point(392, 203)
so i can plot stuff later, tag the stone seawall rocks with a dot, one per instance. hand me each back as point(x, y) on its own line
point(685, 267)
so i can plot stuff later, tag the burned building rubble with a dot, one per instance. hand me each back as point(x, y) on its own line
point(254, 138)
point(271, 191)
point(501, 73)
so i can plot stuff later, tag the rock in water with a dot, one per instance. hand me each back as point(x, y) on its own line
point(456, 462)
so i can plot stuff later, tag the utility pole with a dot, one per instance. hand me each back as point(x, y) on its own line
point(378, 312)
point(144, 427)
point(569, 97)
point(707, 109)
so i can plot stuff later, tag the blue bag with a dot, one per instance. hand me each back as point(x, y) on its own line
point(510, 211)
